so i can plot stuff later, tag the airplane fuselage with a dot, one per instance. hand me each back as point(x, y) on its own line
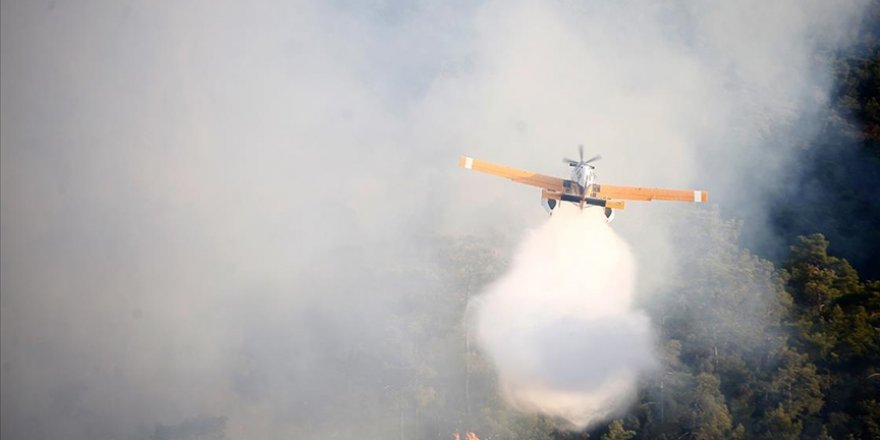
point(584, 176)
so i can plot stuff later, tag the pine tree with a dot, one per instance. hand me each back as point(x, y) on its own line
point(616, 431)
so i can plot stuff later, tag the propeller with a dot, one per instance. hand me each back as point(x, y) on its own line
point(594, 158)
point(574, 163)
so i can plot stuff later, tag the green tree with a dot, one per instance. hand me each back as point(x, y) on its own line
point(815, 278)
point(723, 322)
point(836, 321)
point(710, 417)
point(616, 431)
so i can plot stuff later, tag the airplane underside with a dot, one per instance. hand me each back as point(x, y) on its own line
point(551, 199)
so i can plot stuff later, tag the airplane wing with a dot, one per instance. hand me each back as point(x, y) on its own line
point(517, 175)
point(648, 194)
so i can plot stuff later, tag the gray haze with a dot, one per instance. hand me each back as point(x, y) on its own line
point(221, 208)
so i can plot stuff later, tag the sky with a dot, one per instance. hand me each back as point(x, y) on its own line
point(218, 207)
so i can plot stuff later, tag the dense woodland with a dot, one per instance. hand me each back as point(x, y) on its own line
point(803, 362)
point(831, 189)
point(749, 349)
point(775, 344)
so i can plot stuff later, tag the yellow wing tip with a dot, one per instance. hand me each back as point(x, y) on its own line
point(466, 162)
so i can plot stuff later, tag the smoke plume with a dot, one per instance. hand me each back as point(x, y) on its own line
point(560, 325)
point(230, 209)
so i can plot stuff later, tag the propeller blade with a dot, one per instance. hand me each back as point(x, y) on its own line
point(594, 158)
point(569, 161)
point(581, 151)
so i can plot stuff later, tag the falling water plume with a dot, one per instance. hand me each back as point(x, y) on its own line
point(560, 325)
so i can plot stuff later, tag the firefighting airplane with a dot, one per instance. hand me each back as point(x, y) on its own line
point(581, 189)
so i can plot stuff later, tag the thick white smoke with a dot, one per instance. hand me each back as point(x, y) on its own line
point(560, 325)
point(226, 208)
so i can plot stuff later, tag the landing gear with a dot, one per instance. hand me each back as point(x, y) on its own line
point(549, 205)
point(609, 215)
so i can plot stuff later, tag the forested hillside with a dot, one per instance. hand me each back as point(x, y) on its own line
point(804, 361)
point(748, 349)
point(832, 187)
point(787, 353)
